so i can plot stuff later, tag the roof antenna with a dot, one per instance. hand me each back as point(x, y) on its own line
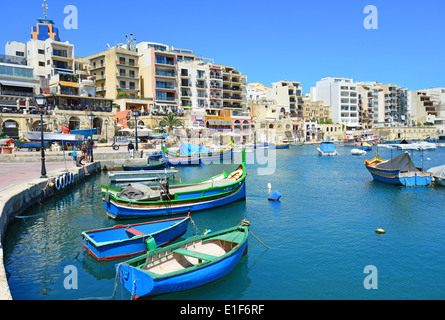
point(45, 9)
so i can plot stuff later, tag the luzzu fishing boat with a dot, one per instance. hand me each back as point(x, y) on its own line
point(189, 154)
point(138, 200)
point(279, 146)
point(399, 171)
point(124, 241)
point(184, 265)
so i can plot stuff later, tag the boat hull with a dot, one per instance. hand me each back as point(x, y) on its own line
point(116, 243)
point(142, 285)
point(156, 166)
point(142, 175)
point(126, 210)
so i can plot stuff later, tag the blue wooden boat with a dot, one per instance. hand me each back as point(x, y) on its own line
point(196, 155)
point(399, 171)
point(155, 156)
point(365, 146)
point(152, 166)
point(123, 241)
point(326, 148)
point(184, 265)
point(137, 200)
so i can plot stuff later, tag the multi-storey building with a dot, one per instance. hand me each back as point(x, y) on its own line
point(382, 104)
point(428, 106)
point(315, 110)
point(288, 93)
point(341, 94)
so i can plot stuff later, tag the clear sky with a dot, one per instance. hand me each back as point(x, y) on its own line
point(266, 40)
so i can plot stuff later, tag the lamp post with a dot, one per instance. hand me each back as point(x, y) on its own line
point(41, 101)
point(106, 130)
point(136, 114)
point(91, 116)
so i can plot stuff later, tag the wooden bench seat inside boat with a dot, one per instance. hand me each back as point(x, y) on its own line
point(195, 254)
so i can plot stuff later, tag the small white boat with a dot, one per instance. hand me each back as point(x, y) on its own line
point(142, 175)
point(326, 148)
point(358, 152)
point(439, 175)
point(51, 136)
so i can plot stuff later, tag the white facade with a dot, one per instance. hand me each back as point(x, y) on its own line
point(48, 58)
point(341, 94)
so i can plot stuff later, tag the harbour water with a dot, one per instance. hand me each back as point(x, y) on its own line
point(321, 235)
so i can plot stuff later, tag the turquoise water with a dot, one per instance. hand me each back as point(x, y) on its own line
point(321, 235)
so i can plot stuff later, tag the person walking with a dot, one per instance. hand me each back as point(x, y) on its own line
point(75, 155)
point(90, 146)
point(130, 149)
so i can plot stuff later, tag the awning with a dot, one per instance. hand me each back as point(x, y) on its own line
point(69, 84)
point(17, 84)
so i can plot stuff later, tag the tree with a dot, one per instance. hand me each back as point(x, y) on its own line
point(171, 120)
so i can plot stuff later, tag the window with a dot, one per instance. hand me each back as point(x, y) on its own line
point(132, 74)
point(121, 60)
point(41, 64)
point(132, 85)
point(122, 84)
point(131, 62)
point(19, 54)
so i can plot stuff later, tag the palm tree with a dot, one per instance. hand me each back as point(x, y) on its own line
point(171, 120)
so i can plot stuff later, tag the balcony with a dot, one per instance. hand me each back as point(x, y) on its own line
point(165, 74)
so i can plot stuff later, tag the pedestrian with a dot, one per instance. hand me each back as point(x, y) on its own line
point(90, 146)
point(130, 149)
point(82, 164)
point(84, 148)
point(75, 155)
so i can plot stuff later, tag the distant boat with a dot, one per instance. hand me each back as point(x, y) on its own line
point(326, 148)
point(184, 265)
point(279, 146)
point(155, 156)
point(141, 175)
point(151, 166)
point(189, 154)
point(439, 175)
point(261, 145)
point(358, 152)
point(124, 241)
point(31, 144)
point(399, 171)
point(365, 146)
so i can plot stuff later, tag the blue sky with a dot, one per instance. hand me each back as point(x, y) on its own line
point(266, 40)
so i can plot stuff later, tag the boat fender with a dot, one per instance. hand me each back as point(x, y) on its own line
point(72, 177)
point(57, 183)
point(380, 231)
point(68, 178)
point(62, 182)
point(150, 243)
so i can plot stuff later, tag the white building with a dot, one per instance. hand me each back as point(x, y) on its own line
point(341, 94)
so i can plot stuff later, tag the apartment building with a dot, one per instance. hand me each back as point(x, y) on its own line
point(341, 94)
point(428, 106)
point(288, 93)
point(315, 110)
point(382, 104)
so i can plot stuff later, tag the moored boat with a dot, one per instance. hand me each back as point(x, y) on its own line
point(142, 175)
point(399, 171)
point(151, 166)
point(184, 265)
point(279, 146)
point(189, 154)
point(326, 148)
point(439, 175)
point(358, 152)
point(142, 201)
point(124, 241)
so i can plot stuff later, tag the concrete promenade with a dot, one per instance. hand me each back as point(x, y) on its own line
point(21, 185)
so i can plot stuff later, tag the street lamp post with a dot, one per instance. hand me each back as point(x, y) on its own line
point(91, 116)
point(106, 130)
point(136, 114)
point(41, 101)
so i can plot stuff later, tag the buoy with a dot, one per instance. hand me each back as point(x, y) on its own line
point(50, 184)
point(275, 196)
point(380, 231)
point(269, 186)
